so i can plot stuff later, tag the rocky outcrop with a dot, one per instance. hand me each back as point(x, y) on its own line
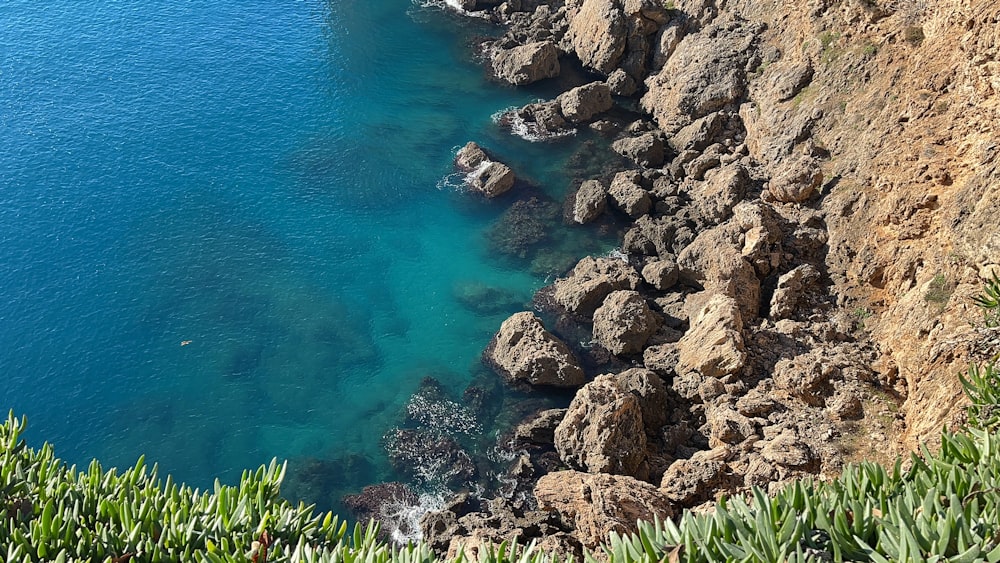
point(624, 322)
point(582, 103)
point(524, 351)
point(489, 177)
point(589, 202)
point(590, 281)
point(597, 505)
point(705, 73)
point(603, 430)
point(597, 33)
point(713, 346)
point(791, 151)
point(525, 64)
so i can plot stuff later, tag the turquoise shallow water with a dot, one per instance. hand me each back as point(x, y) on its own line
point(225, 235)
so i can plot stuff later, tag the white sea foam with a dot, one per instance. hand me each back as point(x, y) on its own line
point(474, 175)
point(454, 181)
point(451, 5)
point(403, 518)
point(529, 131)
point(444, 416)
point(617, 254)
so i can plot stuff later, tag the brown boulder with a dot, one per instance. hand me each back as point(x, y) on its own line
point(796, 181)
point(723, 188)
point(524, 351)
point(791, 287)
point(597, 33)
point(591, 280)
point(624, 322)
point(645, 150)
point(603, 430)
point(661, 274)
point(714, 261)
point(525, 64)
point(492, 179)
point(584, 102)
point(628, 195)
point(600, 504)
point(692, 481)
point(589, 202)
point(713, 346)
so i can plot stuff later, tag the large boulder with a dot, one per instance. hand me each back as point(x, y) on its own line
point(652, 394)
point(713, 346)
point(645, 150)
point(723, 188)
point(589, 201)
point(661, 274)
point(603, 430)
point(525, 64)
point(705, 73)
point(591, 280)
point(470, 156)
point(582, 103)
point(524, 351)
point(714, 261)
point(795, 181)
point(597, 505)
point(791, 287)
point(492, 179)
point(689, 482)
point(597, 33)
point(624, 322)
point(628, 195)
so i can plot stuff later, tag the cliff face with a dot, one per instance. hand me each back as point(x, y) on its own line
point(904, 99)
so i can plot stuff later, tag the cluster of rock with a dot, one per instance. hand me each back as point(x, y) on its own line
point(707, 357)
point(487, 176)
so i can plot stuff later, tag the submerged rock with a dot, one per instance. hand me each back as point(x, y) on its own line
point(523, 226)
point(430, 456)
point(382, 503)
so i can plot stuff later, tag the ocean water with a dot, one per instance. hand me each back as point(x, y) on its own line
point(228, 231)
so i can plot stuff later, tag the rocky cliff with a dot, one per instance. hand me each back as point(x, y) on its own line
point(809, 190)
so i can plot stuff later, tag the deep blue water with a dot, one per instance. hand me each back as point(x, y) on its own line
point(224, 235)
